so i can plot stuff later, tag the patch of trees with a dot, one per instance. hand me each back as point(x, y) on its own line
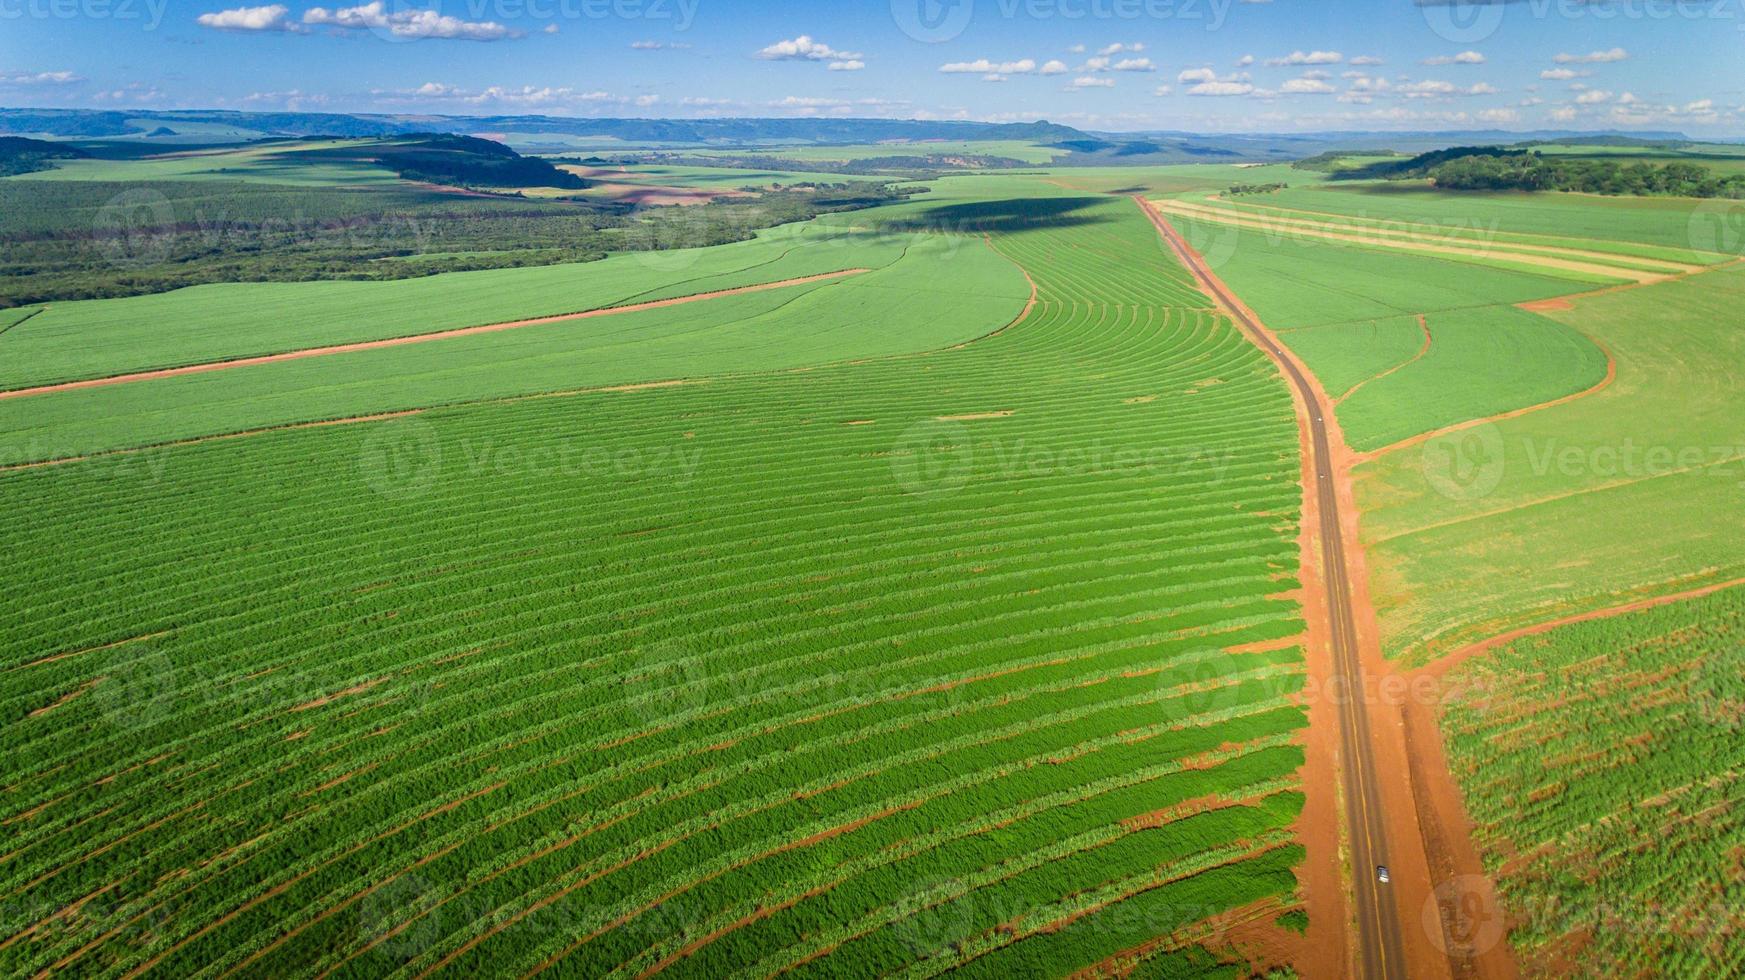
point(19, 155)
point(457, 161)
point(1410, 168)
point(67, 240)
point(1495, 168)
point(1238, 190)
point(1533, 172)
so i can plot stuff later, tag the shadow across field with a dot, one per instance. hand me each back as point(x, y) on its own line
point(1016, 214)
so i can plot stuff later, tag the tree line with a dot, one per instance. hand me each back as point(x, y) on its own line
point(1495, 168)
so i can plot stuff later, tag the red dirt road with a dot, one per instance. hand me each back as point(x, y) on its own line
point(1404, 927)
point(1441, 666)
point(421, 338)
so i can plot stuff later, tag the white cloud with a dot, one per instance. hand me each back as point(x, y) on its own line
point(1076, 49)
point(1134, 64)
point(1366, 59)
point(1429, 88)
point(1119, 48)
point(657, 45)
point(269, 18)
point(407, 24)
point(1463, 58)
point(1098, 63)
point(525, 96)
point(136, 92)
point(1563, 114)
point(1592, 57)
point(39, 78)
point(1636, 113)
point(1197, 75)
point(804, 48)
point(809, 102)
point(1307, 58)
point(1245, 61)
point(1499, 115)
point(1560, 74)
point(1087, 81)
point(1594, 97)
point(850, 64)
point(1162, 90)
point(1221, 88)
point(1306, 86)
point(294, 100)
point(982, 66)
point(1054, 66)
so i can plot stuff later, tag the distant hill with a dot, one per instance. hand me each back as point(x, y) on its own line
point(566, 133)
point(22, 156)
point(75, 123)
point(462, 161)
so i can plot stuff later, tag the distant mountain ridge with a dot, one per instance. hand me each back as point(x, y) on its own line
point(908, 137)
point(87, 123)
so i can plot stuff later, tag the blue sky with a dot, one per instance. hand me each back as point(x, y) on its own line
point(1205, 65)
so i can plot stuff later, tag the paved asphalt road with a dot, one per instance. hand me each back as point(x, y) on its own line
point(1381, 954)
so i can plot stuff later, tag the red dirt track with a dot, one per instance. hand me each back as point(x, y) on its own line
point(1421, 438)
point(1441, 666)
point(1408, 926)
point(421, 338)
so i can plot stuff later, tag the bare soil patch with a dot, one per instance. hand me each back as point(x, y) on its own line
point(974, 416)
